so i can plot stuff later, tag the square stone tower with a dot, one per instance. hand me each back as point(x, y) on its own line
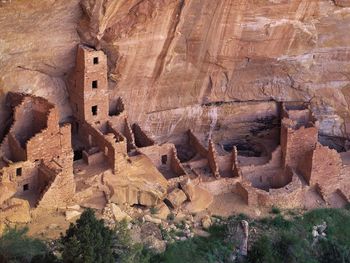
point(89, 92)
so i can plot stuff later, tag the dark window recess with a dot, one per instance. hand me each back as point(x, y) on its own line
point(95, 60)
point(26, 187)
point(19, 171)
point(94, 84)
point(78, 155)
point(94, 110)
point(76, 107)
point(164, 159)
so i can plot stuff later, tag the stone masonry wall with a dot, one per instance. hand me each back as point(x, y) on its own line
point(212, 159)
point(326, 169)
point(141, 138)
point(295, 143)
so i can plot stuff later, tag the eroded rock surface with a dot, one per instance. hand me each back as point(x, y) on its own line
point(168, 59)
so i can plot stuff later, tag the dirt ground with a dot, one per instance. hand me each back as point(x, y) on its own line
point(230, 203)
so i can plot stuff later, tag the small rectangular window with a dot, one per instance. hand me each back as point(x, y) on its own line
point(164, 159)
point(26, 187)
point(94, 84)
point(94, 110)
point(19, 171)
point(95, 60)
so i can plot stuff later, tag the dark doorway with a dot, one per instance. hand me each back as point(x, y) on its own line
point(164, 159)
point(94, 84)
point(26, 187)
point(94, 110)
point(95, 60)
point(19, 171)
point(78, 155)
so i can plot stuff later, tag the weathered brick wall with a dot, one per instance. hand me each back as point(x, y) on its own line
point(220, 186)
point(242, 192)
point(196, 144)
point(83, 95)
point(93, 137)
point(120, 123)
point(17, 152)
point(305, 166)
point(212, 159)
point(129, 135)
point(156, 152)
point(175, 163)
point(225, 164)
point(59, 190)
point(290, 196)
point(295, 143)
point(112, 144)
point(46, 144)
point(141, 138)
point(326, 169)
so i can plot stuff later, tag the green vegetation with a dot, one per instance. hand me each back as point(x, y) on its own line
point(90, 241)
point(274, 239)
point(154, 210)
point(292, 240)
point(16, 246)
point(275, 210)
point(198, 249)
point(171, 217)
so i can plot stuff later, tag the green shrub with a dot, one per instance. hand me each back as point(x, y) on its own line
point(154, 210)
point(16, 246)
point(275, 210)
point(332, 251)
point(171, 217)
point(88, 240)
point(280, 222)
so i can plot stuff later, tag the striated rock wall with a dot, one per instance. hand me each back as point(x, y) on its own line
point(167, 56)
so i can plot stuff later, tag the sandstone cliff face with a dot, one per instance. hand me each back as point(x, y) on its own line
point(168, 59)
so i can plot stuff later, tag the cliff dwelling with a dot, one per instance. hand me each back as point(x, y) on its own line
point(270, 157)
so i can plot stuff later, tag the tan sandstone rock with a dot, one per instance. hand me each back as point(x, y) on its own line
point(118, 214)
point(7, 189)
point(253, 51)
point(162, 211)
point(176, 198)
point(151, 219)
point(72, 214)
point(206, 222)
point(16, 211)
point(189, 189)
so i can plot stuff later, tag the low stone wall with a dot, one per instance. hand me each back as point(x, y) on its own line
point(220, 186)
point(288, 197)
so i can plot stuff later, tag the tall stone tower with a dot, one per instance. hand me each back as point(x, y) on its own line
point(89, 92)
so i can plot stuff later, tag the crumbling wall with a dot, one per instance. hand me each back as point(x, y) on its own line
point(89, 85)
point(236, 169)
point(220, 186)
point(17, 153)
point(116, 107)
point(212, 159)
point(175, 163)
point(197, 145)
point(295, 143)
point(120, 123)
point(35, 147)
point(164, 156)
point(288, 197)
point(141, 138)
point(60, 187)
point(326, 169)
point(129, 135)
point(112, 144)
